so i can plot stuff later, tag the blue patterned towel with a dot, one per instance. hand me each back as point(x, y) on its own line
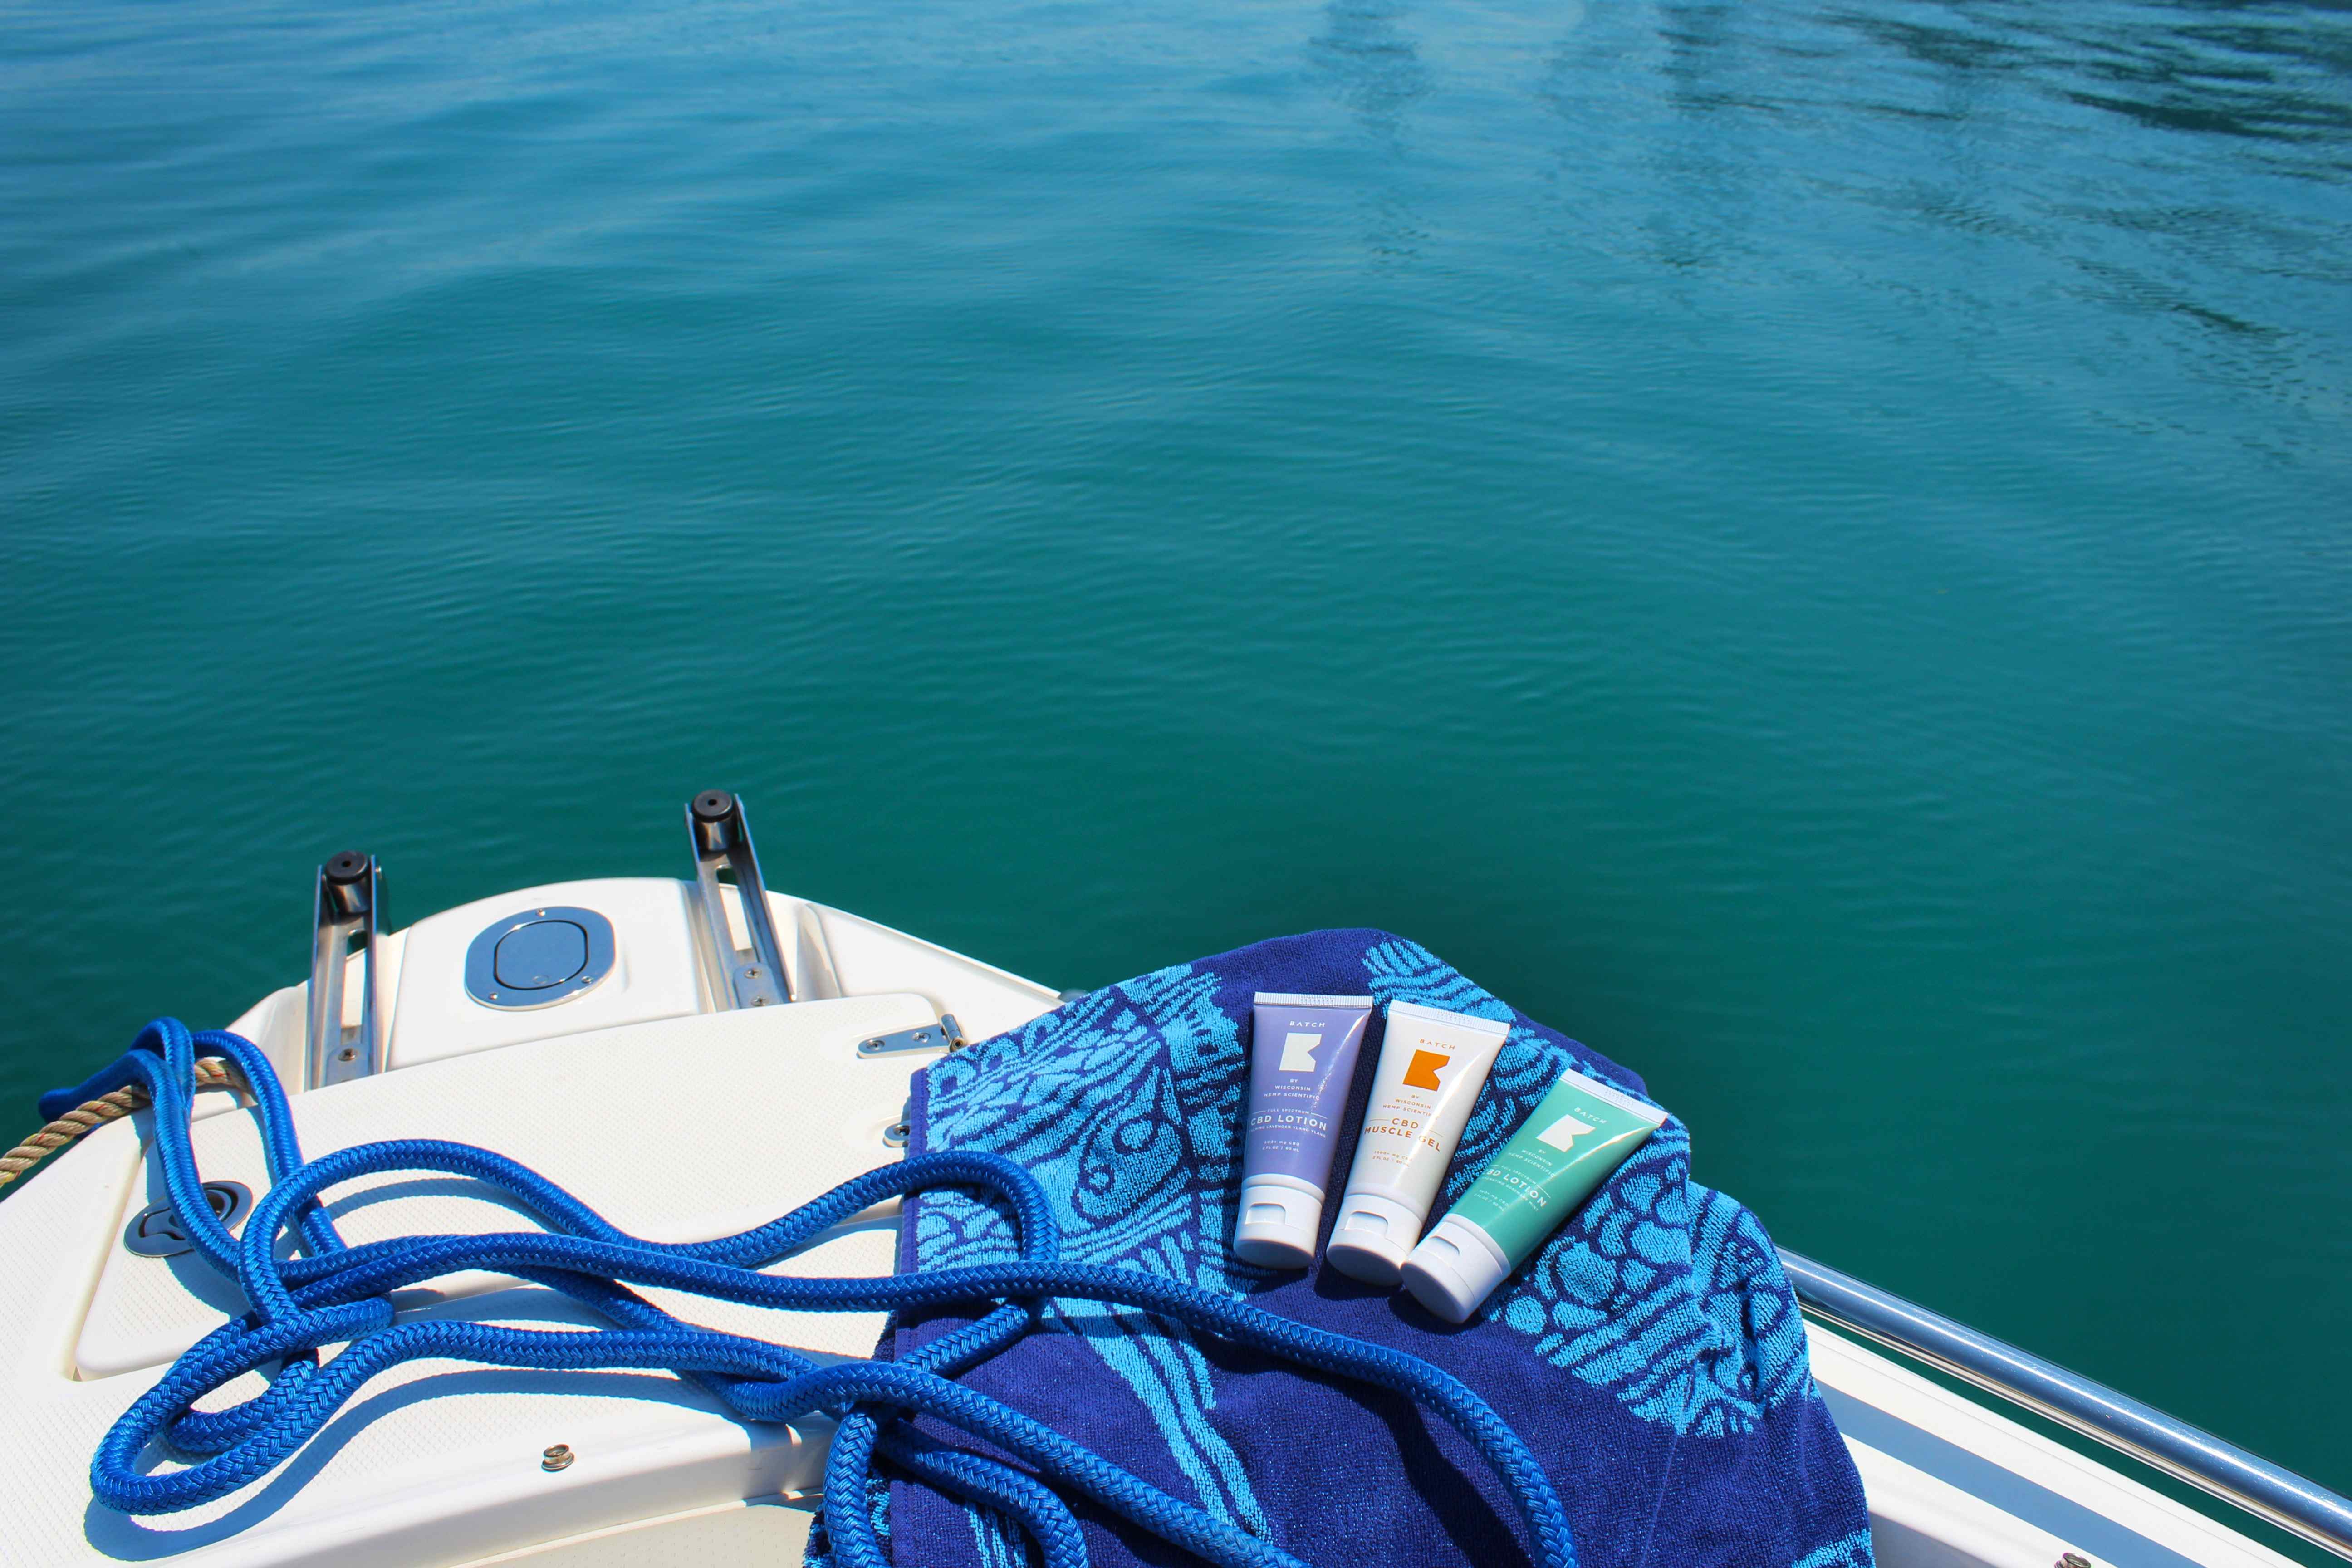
point(1651, 1355)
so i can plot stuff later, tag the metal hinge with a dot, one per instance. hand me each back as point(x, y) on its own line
point(945, 1034)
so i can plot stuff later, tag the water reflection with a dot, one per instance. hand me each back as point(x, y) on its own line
point(1703, 68)
point(1373, 69)
point(1370, 65)
point(2178, 165)
point(2275, 73)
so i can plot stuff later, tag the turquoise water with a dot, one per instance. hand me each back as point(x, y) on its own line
point(1804, 543)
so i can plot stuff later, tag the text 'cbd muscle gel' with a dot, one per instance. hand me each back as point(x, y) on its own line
point(1302, 1061)
point(1582, 1130)
point(1433, 1064)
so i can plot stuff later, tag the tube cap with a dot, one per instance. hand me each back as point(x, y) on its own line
point(1373, 1237)
point(1455, 1267)
point(1277, 1224)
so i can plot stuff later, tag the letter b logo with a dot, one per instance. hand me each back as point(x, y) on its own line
point(1423, 1070)
point(1298, 1051)
point(1564, 1134)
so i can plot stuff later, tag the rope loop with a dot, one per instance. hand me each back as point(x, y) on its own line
point(332, 1294)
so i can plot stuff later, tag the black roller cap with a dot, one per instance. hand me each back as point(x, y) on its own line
point(348, 866)
point(714, 806)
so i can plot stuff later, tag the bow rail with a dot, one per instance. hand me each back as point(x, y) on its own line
point(2268, 1491)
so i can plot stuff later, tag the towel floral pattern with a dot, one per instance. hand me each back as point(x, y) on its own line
point(1142, 1174)
point(1853, 1552)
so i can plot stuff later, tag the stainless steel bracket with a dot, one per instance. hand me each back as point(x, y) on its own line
point(945, 1034)
point(722, 842)
point(348, 914)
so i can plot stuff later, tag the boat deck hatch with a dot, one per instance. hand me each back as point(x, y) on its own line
point(536, 958)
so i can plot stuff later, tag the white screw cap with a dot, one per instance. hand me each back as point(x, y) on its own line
point(1279, 1215)
point(1455, 1267)
point(1373, 1237)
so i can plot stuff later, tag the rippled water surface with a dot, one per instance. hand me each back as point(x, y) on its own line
point(1806, 544)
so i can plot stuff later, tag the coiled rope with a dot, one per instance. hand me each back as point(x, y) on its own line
point(334, 1293)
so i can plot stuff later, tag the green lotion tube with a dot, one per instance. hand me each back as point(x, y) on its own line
point(1583, 1130)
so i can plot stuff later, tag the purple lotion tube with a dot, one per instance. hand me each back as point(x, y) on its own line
point(1302, 1061)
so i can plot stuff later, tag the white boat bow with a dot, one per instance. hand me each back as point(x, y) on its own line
point(695, 1058)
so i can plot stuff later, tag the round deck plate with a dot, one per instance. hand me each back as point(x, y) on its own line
point(536, 958)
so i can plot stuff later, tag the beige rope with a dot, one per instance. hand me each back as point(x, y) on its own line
point(210, 1073)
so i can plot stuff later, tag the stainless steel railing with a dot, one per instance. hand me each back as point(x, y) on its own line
point(2263, 1490)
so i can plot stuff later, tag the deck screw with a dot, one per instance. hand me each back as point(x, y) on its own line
point(560, 1458)
point(2074, 1560)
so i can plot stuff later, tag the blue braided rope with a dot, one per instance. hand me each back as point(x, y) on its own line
point(337, 1294)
